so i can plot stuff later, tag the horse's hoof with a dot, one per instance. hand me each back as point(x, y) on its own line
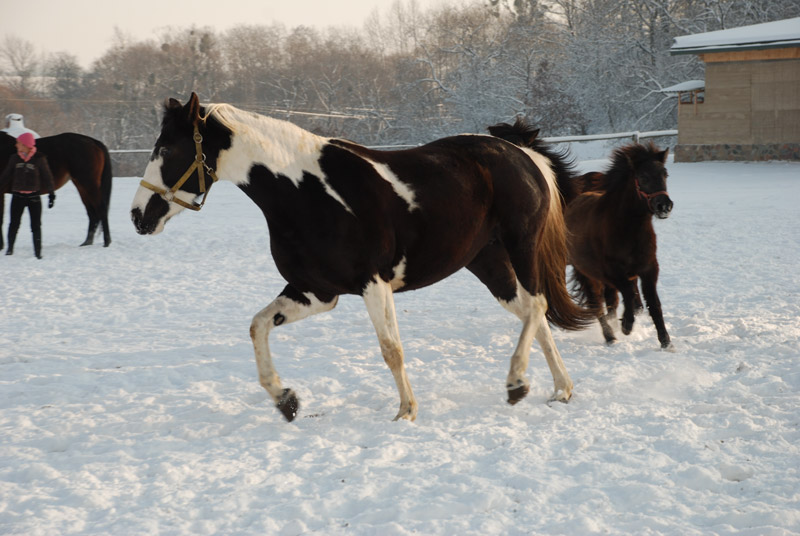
point(515, 395)
point(562, 395)
point(610, 342)
point(288, 404)
point(409, 414)
point(627, 328)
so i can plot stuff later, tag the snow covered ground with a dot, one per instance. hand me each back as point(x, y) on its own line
point(129, 403)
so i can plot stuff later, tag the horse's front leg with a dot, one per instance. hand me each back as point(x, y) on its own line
point(627, 289)
point(379, 300)
point(654, 306)
point(290, 306)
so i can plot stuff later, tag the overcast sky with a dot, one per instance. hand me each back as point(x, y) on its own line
point(85, 28)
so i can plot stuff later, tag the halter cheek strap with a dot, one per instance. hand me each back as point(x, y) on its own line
point(648, 197)
point(200, 166)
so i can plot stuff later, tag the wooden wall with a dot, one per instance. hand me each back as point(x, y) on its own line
point(751, 98)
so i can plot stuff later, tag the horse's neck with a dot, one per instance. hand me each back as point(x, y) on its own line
point(280, 146)
point(627, 203)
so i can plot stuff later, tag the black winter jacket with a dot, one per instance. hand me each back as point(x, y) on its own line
point(31, 176)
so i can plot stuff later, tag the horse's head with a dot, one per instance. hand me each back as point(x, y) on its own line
point(181, 167)
point(649, 175)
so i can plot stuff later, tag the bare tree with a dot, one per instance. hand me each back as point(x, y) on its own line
point(19, 59)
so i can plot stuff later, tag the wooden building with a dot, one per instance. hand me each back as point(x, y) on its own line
point(748, 106)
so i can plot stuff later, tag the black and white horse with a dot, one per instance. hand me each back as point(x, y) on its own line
point(345, 219)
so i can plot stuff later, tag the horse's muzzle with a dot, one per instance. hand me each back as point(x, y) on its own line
point(138, 222)
point(147, 220)
point(661, 206)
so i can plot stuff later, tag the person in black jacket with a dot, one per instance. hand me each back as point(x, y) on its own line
point(30, 176)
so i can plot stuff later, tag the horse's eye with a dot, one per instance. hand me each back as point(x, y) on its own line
point(163, 152)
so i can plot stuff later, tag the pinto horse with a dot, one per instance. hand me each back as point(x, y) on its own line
point(79, 158)
point(346, 219)
point(612, 238)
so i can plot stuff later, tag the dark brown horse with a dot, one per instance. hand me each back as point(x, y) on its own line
point(346, 219)
point(612, 238)
point(79, 158)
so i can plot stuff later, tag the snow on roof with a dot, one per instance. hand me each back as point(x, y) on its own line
point(689, 85)
point(777, 34)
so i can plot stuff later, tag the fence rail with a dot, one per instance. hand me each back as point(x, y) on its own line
point(633, 135)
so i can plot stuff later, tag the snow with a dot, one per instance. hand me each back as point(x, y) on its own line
point(785, 32)
point(130, 403)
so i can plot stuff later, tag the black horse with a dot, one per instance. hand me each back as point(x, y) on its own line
point(345, 219)
point(613, 242)
point(79, 158)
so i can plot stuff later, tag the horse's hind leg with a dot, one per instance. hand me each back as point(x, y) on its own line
point(530, 310)
point(379, 300)
point(93, 222)
point(593, 294)
point(106, 230)
point(290, 306)
point(2, 212)
point(493, 267)
point(611, 297)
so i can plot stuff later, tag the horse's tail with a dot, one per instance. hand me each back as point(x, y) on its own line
point(551, 252)
point(581, 288)
point(105, 177)
point(551, 256)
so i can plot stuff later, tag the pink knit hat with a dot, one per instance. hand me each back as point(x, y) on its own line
point(27, 139)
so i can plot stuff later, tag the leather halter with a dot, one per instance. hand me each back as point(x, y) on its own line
point(200, 165)
point(648, 197)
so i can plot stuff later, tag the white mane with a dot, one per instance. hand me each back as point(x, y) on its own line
point(278, 145)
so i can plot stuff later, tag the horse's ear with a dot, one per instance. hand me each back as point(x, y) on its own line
point(530, 137)
point(172, 104)
point(663, 155)
point(193, 108)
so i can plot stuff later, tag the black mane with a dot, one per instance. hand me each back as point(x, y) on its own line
point(563, 163)
point(624, 163)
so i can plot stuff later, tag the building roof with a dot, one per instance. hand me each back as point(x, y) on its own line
point(690, 85)
point(778, 34)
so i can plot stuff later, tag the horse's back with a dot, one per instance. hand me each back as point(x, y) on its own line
point(76, 157)
point(462, 192)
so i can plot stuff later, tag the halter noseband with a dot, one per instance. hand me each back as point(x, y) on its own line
point(200, 165)
point(647, 197)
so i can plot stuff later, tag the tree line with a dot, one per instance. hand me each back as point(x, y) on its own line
point(408, 75)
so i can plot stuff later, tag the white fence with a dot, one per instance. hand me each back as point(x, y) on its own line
point(634, 136)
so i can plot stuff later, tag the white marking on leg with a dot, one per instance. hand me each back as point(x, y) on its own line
point(281, 311)
point(530, 310)
point(561, 379)
point(379, 300)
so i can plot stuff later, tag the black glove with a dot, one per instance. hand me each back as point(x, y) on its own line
point(51, 200)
